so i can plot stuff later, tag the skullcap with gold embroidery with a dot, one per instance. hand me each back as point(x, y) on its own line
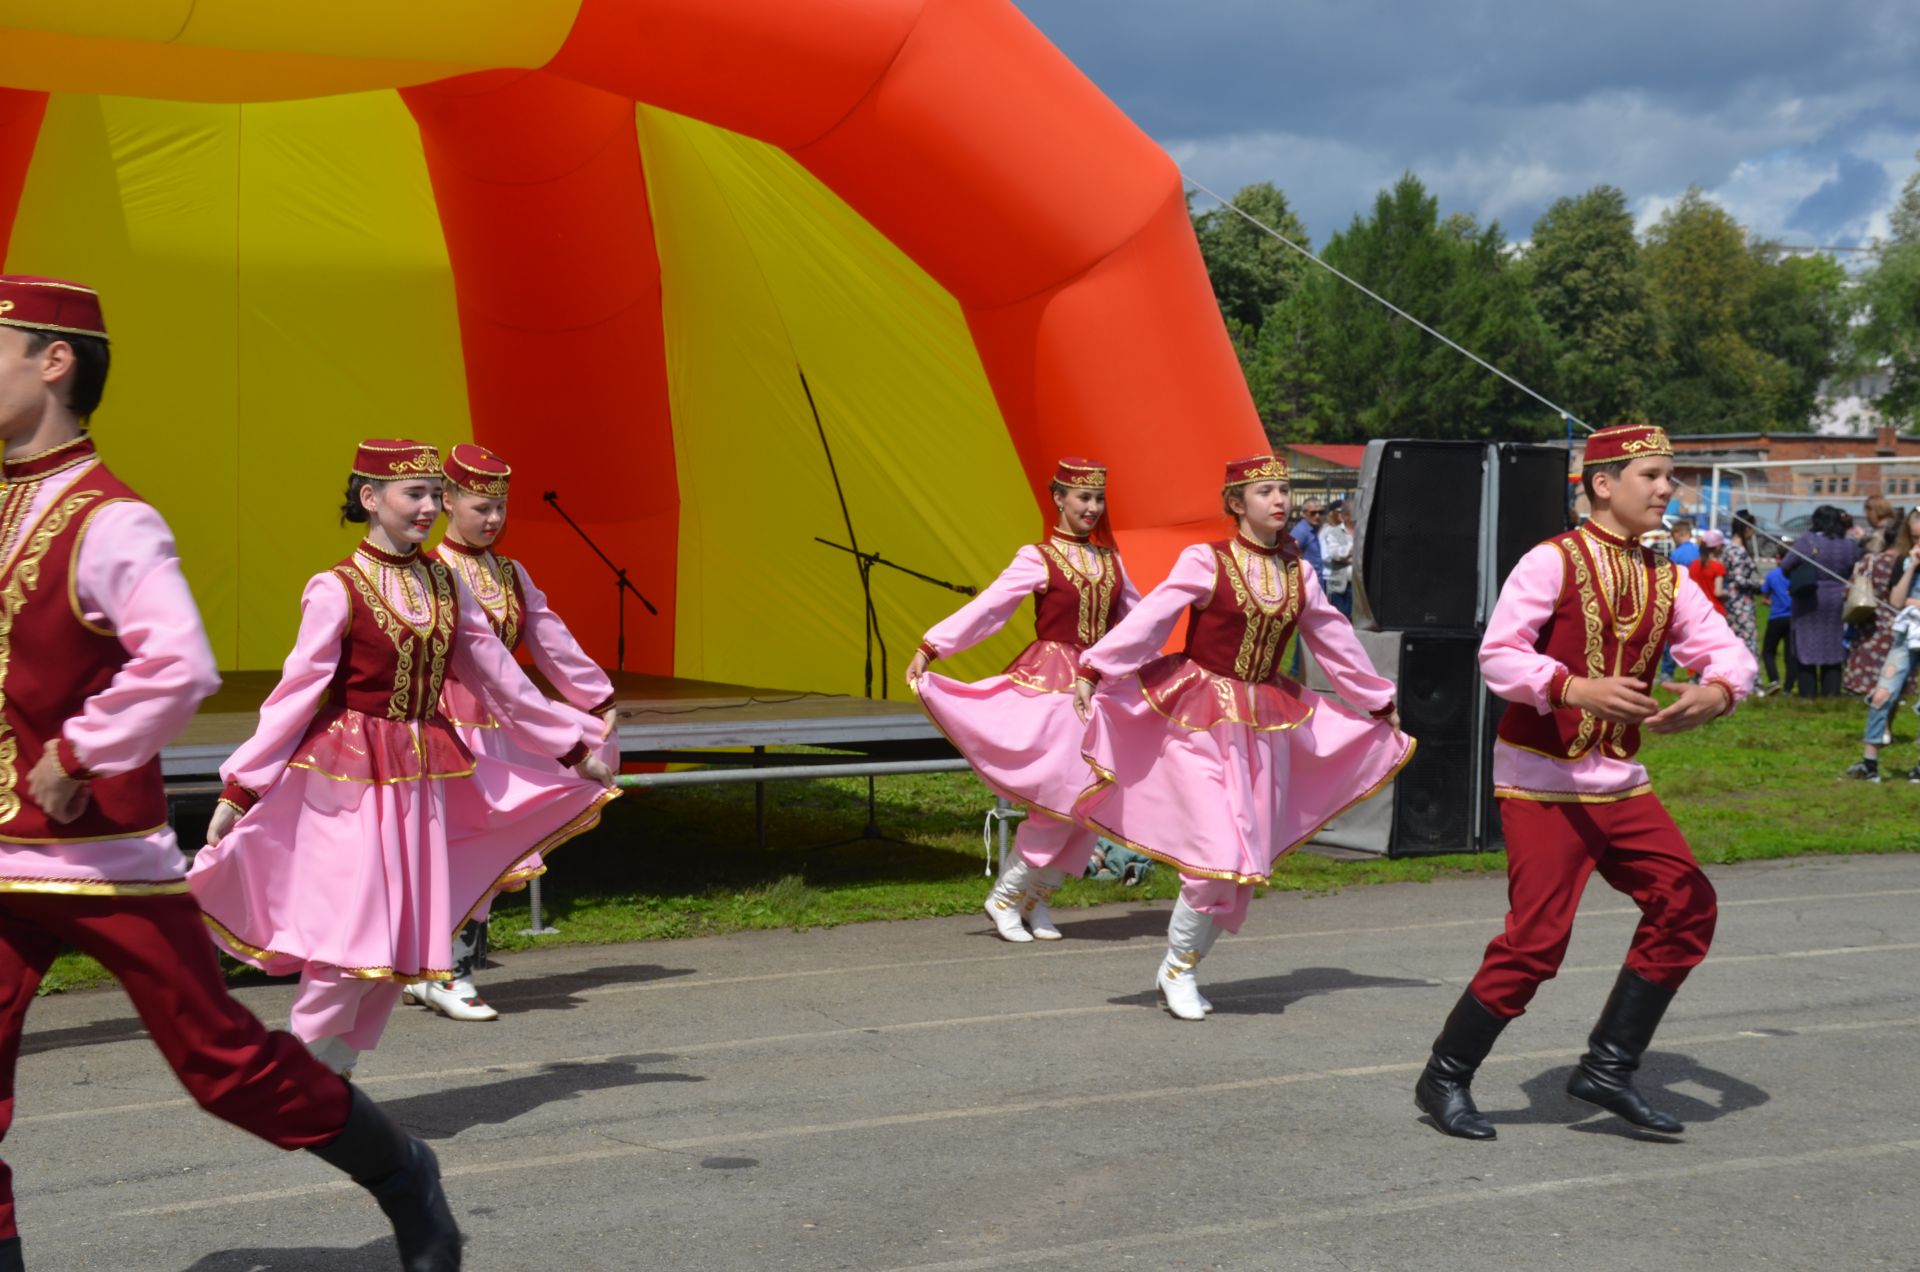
point(1242, 472)
point(478, 471)
point(1623, 442)
point(47, 304)
point(395, 459)
point(1082, 474)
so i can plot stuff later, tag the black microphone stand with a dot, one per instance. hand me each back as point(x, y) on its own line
point(866, 561)
point(622, 584)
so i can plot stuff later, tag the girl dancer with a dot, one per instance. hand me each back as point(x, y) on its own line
point(329, 852)
point(1018, 729)
point(511, 785)
point(1212, 761)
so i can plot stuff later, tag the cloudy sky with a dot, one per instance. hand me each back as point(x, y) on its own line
point(1801, 118)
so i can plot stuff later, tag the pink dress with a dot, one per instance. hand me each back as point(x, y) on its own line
point(1212, 761)
point(1018, 729)
point(513, 786)
point(340, 866)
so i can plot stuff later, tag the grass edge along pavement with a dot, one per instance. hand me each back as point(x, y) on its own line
point(677, 863)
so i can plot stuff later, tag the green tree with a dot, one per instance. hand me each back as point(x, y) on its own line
point(1583, 271)
point(1250, 269)
point(1355, 370)
point(1701, 281)
point(1798, 315)
point(1906, 211)
point(1887, 335)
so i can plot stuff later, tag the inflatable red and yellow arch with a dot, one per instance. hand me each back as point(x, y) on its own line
point(598, 236)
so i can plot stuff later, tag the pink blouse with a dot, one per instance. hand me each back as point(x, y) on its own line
point(128, 579)
point(1700, 639)
point(988, 612)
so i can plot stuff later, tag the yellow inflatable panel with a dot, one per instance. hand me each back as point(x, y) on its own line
point(276, 282)
point(762, 270)
point(482, 33)
point(58, 63)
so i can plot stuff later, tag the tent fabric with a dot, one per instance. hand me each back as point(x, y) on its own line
point(600, 236)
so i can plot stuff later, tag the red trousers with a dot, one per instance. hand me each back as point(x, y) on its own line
point(1551, 850)
point(158, 948)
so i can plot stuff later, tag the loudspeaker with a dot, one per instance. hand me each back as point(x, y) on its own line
point(1417, 553)
point(1530, 502)
point(1434, 805)
point(1436, 796)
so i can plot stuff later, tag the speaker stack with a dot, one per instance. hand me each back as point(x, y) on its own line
point(1440, 526)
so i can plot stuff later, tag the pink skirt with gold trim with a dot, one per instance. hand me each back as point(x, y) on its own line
point(1220, 778)
point(1018, 729)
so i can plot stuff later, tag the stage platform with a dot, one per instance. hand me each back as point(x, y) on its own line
point(659, 717)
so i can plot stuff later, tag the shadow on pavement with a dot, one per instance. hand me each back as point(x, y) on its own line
point(555, 992)
point(100, 1032)
point(1661, 1071)
point(375, 1254)
point(1270, 995)
point(1112, 927)
point(444, 1114)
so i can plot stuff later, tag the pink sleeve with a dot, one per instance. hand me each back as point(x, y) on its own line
point(128, 581)
point(1330, 636)
point(1136, 639)
point(482, 664)
point(988, 612)
point(579, 679)
point(1704, 644)
point(1129, 594)
point(1509, 663)
point(304, 679)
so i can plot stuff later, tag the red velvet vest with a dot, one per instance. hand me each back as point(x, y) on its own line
point(1586, 636)
point(389, 669)
point(51, 661)
point(1076, 610)
point(1233, 634)
point(507, 624)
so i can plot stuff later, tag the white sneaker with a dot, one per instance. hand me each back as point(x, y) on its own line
point(456, 1000)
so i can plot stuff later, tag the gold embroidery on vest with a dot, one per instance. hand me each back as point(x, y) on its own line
point(446, 614)
point(21, 579)
point(1095, 595)
point(1585, 588)
point(1266, 628)
point(401, 633)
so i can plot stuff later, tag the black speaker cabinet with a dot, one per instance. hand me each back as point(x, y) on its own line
point(1435, 798)
point(1530, 497)
point(1420, 542)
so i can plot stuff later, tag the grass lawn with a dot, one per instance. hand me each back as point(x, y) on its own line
point(683, 863)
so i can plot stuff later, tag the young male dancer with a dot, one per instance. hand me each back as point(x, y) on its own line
point(1580, 623)
point(102, 661)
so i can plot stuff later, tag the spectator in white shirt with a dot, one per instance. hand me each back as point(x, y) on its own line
point(1336, 552)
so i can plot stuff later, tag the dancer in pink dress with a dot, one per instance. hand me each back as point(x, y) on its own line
point(1018, 729)
point(329, 852)
point(511, 785)
point(1212, 761)
point(103, 660)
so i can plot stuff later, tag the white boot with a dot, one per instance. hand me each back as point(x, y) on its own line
point(1004, 902)
point(456, 1000)
point(1039, 918)
point(1190, 934)
point(334, 1052)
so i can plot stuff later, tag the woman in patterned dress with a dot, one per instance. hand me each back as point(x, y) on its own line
point(1743, 581)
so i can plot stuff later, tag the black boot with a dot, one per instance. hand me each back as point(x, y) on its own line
point(1605, 1075)
point(404, 1177)
point(1445, 1088)
point(10, 1259)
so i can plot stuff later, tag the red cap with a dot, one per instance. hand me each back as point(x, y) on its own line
point(47, 304)
point(1084, 474)
point(395, 459)
point(478, 471)
point(1241, 472)
point(1623, 442)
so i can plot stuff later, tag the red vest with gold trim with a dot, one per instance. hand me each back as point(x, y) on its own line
point(1233, 634)
point(1590, 640)
point(1076, 610)
point(389, 669)
point(51, 661)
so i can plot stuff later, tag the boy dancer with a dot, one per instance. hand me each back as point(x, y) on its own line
point(1580, 622)
point(102, 660)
